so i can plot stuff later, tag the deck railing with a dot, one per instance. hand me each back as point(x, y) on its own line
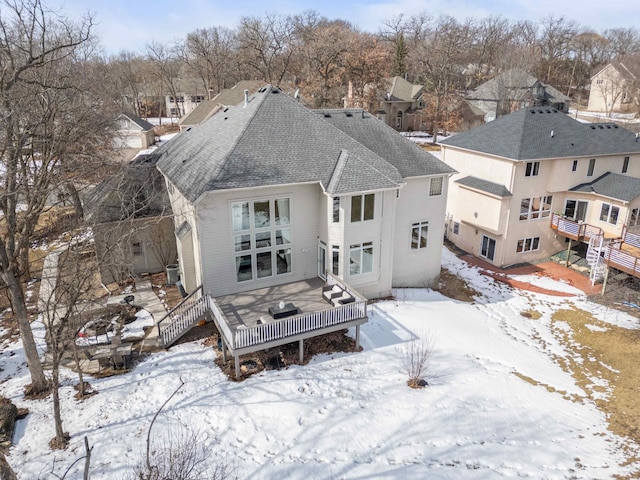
point(624, 261)
point(182, 317)
point(630, 238)
point(306, 322)
point(573, 228)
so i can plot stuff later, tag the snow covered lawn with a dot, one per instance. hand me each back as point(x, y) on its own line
point(498, 405)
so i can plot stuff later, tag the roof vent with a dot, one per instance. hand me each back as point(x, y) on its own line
point(548, 111)
point(327, 115)
point(533, 111)
point(592, 127)
point(551, 134)
point(225, 109)
point(246, 97)
point(349, 114)
point(600, 127)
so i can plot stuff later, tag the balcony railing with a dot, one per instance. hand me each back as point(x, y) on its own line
point(574, 229)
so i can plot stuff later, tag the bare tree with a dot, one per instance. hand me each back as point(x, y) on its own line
point(267, 46)
point(47, 122)
point(415, 359)
point(163, 63)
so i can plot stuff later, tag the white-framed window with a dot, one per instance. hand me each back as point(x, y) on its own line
point(625, 164)
point(609, 213)
point(136, 248)
point(362, 207)
point(335, 259)
point(535, 207)
point(360, 258)
point(419, 235)
point(574, 166)
point(532, 169)
point(576, 209)
point(173, 111)
point(528, 245)
point(456, 228)
point(197, 98)
point(435, 186)
point(599, 81)
point(336, 209)
point(634, 218)
point(592, 166)
point(261, 238)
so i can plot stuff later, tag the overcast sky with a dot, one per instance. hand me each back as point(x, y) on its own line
point(130, 24)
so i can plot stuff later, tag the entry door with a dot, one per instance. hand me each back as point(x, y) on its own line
point(581, 210)
point(488, 248)
point(322, 260)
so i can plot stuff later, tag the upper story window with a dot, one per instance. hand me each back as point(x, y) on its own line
point(532, 169)
point(336, 209)
point(592, 166)
point(535, 207)
point(335, 260)
point(197, 98)
point(362, 207)
point(435, 186)
point(609, 213)
point(625, 164)
point(599, 81)
point(634, 219)
point(574, 166)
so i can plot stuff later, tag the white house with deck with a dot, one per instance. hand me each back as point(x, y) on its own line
point(269, 197)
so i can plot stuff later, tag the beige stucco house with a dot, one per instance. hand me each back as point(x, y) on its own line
point(398, 104)
point(133, 132)
point(523, 170)
point(616, 87)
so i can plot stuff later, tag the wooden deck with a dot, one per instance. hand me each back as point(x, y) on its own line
point(573, 229)
point(248, 308)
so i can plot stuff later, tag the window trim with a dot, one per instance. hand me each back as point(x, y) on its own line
point(360, 248)
point(610, 207)
point(541, 212)
point(521, 245)
point(416, 242)
point(532, 169)
point(437, 190)
point(363, 207)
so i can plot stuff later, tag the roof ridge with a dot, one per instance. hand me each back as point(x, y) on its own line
point(264, 91)
point(340, 165)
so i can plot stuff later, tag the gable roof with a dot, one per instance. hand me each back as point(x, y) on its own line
point(402, 90)
point(143, 124)
point(612, 185)
point(517, 82)
point(628, 67)
point(539, 133)
point(377, 136)
point(273, 140)
point(485, 186)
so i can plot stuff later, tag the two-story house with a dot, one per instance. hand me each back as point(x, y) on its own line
point(616, 87)
point(512, 90)
point(269, 196)
point(523, 170)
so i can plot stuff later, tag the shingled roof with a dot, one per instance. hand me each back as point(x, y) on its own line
point(540, 133)
point(514, 84)
point(274, 140)
point(485, 186)
point(401, 90)
point(377, 136)
point(612, 185)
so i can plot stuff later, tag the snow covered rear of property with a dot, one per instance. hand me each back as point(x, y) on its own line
point(352, 415)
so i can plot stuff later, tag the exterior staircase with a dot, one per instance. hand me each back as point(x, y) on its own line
point(183, 317)
point(597, 265)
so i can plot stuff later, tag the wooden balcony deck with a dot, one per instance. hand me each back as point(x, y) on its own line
point(574, 229)
point(246, 326)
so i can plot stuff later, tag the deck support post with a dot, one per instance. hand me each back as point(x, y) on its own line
point(606, 277)
point(224, 350)
point(301, 350)
point(237, 359)
point(357, 337)
point(566, 261)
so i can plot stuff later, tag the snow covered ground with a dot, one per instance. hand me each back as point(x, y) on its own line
point(352, 415)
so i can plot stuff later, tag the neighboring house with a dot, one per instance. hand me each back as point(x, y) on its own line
point(523, 173)
point(226, 98)
point(512, 90)
point(616, 87)
point(130, 215)
point(190, 93)
point(398, 104)
point(133, 132)
point(258, 190)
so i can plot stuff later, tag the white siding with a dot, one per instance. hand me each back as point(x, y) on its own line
point(421, 267)
point(216, 237)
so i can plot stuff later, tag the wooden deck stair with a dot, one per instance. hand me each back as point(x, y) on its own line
point(183, 317)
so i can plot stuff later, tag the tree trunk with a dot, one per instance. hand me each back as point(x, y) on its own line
point(6, 472)
point(75, 199)
point(39, 382)
point(60, 439)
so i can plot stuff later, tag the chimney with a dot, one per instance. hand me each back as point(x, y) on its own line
point(246, 97)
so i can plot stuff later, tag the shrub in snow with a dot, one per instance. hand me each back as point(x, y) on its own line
point(415, 358)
